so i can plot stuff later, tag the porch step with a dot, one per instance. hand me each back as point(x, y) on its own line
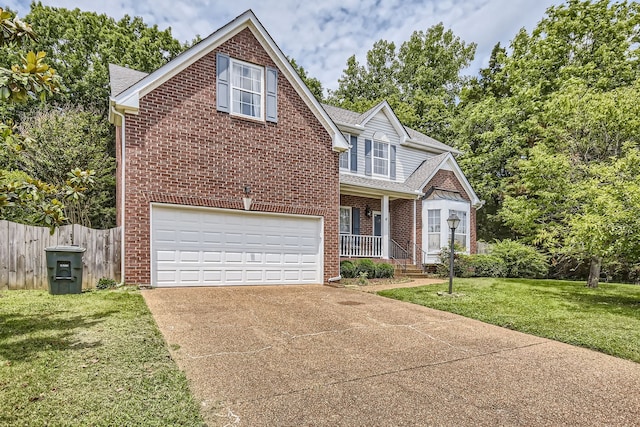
point(411, 271)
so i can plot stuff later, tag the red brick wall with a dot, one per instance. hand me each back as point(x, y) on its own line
point(366, 224)
point(447, 180)
point(401, 213)
point(181, 150)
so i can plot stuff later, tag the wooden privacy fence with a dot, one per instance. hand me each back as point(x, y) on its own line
point(23, 263)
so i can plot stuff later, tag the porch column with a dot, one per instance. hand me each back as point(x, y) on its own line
point(385, 227)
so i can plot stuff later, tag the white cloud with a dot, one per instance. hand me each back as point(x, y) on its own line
point(321, 35)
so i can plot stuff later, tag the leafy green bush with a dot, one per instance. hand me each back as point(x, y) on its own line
point(521, 260)
point(460, 266)
point(106, 283)
point(385, 270)
point(484, 266)
point(365, 265)
point(347, 269)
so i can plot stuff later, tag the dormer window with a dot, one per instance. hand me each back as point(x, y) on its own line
point(380, 158)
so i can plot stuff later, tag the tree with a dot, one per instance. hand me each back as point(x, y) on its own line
point(575, 193)
point(61, 139)
point(33, 78)
point(314, 85)
point(81, 45)
point(568, 87)
point(421, 81)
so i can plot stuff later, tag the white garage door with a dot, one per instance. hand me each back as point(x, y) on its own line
point(208, 247)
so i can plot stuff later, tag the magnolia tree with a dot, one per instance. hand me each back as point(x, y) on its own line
point(32, 78)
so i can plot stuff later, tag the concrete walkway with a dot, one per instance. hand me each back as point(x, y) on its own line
point(321, 356)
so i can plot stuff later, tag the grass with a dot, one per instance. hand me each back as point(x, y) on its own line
point(94, 359)
point(606, 319)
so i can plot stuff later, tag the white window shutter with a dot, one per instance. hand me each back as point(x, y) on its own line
point(223, 94)
point(272, 95)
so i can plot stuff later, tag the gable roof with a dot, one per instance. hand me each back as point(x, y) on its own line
point(428, 169)
point(127, 101)
point(416, 182)
point(122, 78)
point(353, 121)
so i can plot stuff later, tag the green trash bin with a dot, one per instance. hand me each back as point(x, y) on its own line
point(64, 269)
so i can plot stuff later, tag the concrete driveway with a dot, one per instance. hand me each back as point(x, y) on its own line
point(320, 356)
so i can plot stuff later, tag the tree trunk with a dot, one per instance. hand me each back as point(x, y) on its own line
point(594, 272)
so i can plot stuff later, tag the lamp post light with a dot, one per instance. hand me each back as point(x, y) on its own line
point(453, 222)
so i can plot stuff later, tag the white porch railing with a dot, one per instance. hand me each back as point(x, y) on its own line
point(354, 246)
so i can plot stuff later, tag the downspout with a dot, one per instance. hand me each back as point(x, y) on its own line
point(122, 193)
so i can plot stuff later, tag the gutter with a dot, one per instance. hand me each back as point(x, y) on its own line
point(122, 193)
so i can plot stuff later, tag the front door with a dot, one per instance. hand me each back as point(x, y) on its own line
point(377, 224)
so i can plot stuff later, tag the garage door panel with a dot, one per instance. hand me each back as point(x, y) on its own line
point(253, 239)
point(212, 276)
point(254, 257)
point(210, 238)
point(166, 256)
point(233, 276)
point(234, 239)
point(233, 257)
point(273, 258)
point(189, 257)
point(192, 246)
point(211, 256)
point(255, 275)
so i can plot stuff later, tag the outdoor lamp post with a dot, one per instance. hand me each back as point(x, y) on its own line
point(453, 222)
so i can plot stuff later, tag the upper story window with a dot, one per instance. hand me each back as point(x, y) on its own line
point(380, 158)
point(246, 89)
point(349, 158)
point(344, 157)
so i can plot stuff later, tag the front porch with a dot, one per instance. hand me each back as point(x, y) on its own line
point(380, 227)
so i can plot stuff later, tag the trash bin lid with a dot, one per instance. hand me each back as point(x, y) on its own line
point(65, 249)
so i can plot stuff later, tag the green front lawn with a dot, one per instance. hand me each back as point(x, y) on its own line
point(606, 319)
point(93, 359)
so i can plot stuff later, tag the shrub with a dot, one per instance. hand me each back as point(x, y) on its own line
point(485, 266)
point(365, 265)
point(521, 260)
point(106, 283)
point(347, 269)
point(460, 264)
point(385, 271)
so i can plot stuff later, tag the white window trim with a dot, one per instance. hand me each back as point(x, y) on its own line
point(350, 219)
point(374, 157)
point(233, 61)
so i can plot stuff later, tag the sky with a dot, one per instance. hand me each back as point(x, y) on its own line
point(321, 34)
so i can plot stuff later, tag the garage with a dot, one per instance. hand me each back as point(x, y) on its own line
point(192, 246)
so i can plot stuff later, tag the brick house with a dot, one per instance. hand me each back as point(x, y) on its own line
point(397, 189)
point(230, 171)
